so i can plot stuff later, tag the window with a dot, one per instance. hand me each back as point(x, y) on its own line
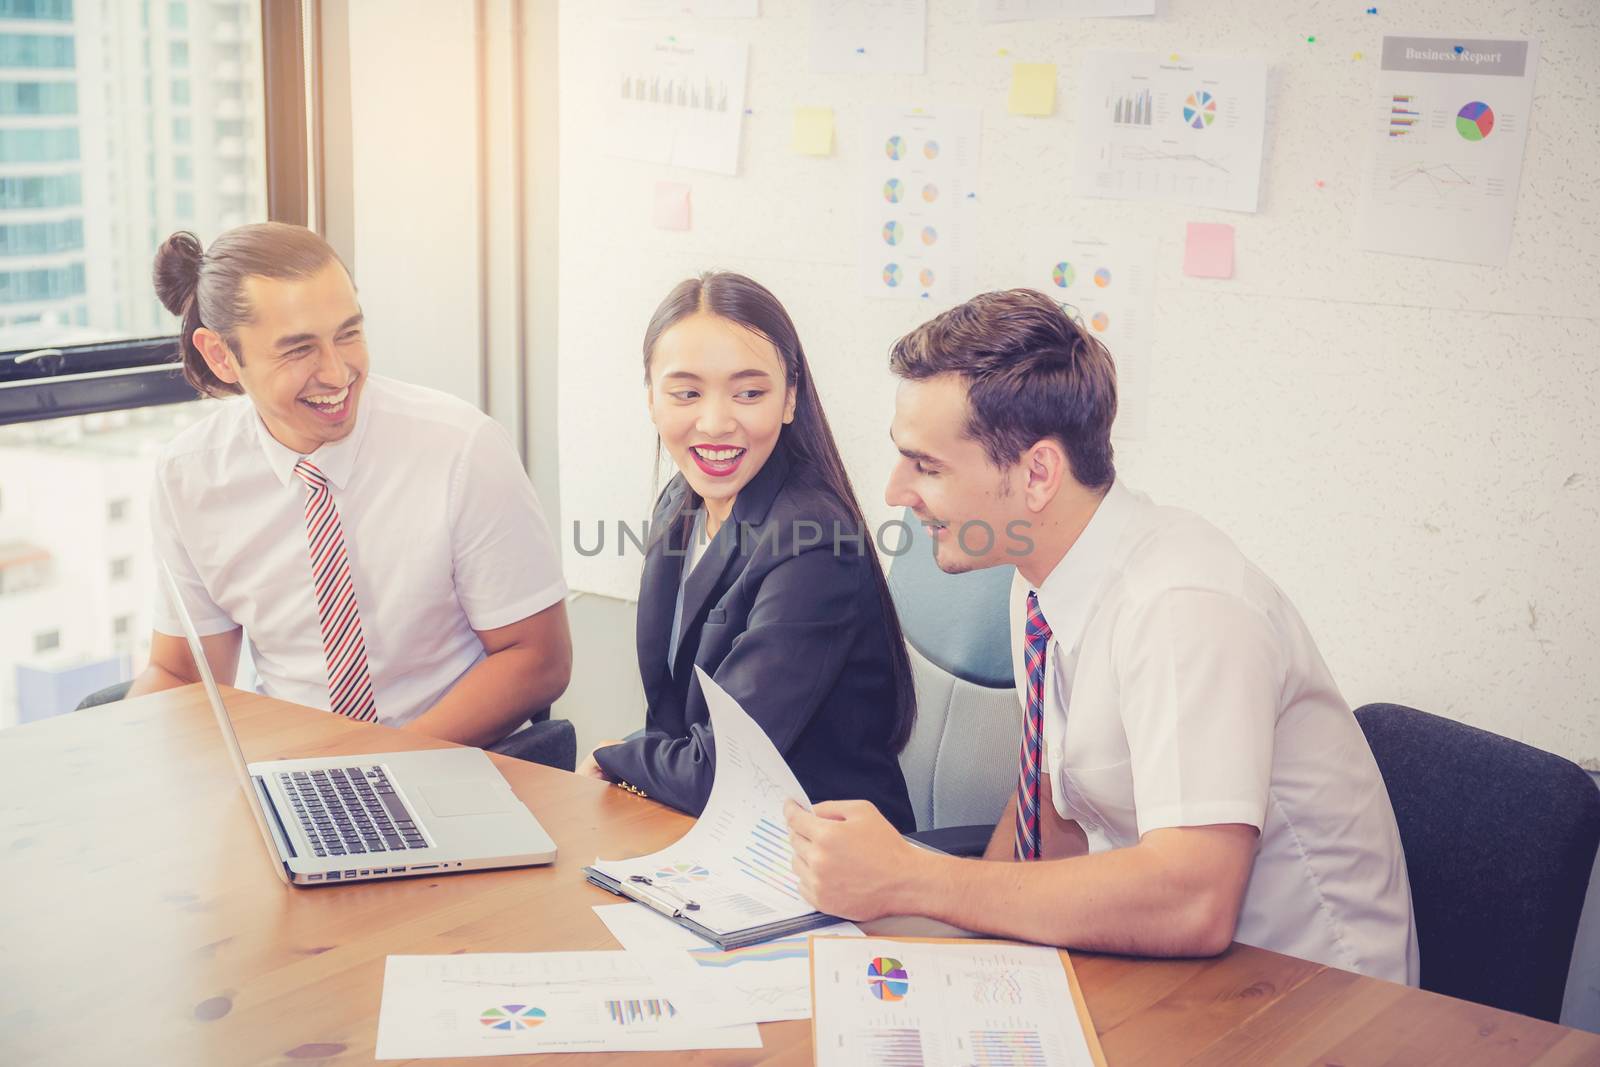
point(181, 131)
point(180, 93)
point(183, 168)
point(50, 283)
point(122, 626)
point(46, 641)
point(38, 98)
point(117, 510)
point(36, 50)
point(121, 568)
point(41, 238)
point(58, 190)
point(178, 15)
point(178, 51)
point(183, 205)
point(58, 10)
point(38, 145)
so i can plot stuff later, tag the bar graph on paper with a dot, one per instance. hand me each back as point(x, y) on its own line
point(768, 857)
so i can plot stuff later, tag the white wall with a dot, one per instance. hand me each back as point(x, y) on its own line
point(1409, 447)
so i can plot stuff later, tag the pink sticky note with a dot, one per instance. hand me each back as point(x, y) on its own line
point(672, 206)
point(1208, 250)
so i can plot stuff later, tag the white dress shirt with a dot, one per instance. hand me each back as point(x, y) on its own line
point(1183, 689)
point(443, 531)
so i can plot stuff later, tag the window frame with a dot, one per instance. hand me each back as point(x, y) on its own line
point(53, 383)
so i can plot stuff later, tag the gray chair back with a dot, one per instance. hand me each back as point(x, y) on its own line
point(1499, 839)
point(961, 762)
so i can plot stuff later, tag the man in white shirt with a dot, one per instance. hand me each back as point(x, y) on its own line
point(1189, 773)
point(379, 543)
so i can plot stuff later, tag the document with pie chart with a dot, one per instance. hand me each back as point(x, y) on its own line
point(1448, 121)
point(1186, 129)
point(894, 1002)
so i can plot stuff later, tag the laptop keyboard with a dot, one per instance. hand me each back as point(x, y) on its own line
point(350, 810)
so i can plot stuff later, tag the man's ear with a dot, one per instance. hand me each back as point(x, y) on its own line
point(219, 357)
point(1045, 469)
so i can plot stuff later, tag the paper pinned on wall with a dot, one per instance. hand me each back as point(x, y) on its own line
point(677, 100)
point(1188, 130)
point(1033, 89)
point(1449, 124)
point(869, 36)
point(1109, 287)
point(1208, 250)
point(1017, 10)
point(813, 131)
point(706, 9)
point(671, 209)
point(918, 189)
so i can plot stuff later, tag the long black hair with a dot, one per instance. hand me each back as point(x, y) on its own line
point(808, 439)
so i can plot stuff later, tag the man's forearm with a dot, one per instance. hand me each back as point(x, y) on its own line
point(493, 698)
point(1118, 901)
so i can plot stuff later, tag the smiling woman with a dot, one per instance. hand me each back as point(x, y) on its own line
point(760, 570)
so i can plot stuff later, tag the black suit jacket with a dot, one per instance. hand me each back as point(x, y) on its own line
point(791, 628)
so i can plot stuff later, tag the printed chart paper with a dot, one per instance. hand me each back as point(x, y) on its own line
point(869, 36)
point(1449, 124)
point(1188, 130)
point(735, 862)
point(756, 984)
point(497, 1004)
point(714, 9)
point(1017, 10)
point(919, 180)
point(903, 1002)
point(1109, 287)
point(677, 100)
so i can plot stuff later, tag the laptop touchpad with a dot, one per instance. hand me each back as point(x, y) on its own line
point(445, 799)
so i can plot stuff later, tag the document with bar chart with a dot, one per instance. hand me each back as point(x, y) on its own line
point(497, 1004)
point(730, 879)
point(883, 1002)
point(1182, 128)
point(1448, 121)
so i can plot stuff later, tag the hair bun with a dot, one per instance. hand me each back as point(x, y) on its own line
point(177, 270)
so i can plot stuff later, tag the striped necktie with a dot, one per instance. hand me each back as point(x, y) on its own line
point(1028, 770)
point(349, 683)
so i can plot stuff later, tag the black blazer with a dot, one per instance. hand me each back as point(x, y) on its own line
point(792, 630)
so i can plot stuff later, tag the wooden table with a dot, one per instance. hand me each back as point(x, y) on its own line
point(140, 922)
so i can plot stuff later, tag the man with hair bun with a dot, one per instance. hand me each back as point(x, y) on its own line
point(1189, 774)
point(378, 542)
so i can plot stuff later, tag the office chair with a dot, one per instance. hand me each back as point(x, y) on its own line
point(961, 762)
point(1499, 840)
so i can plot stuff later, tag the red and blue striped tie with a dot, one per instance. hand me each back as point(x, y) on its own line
point(1037, 640)
point(349, 682)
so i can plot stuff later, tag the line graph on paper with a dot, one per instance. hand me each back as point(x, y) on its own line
point(1439, 178)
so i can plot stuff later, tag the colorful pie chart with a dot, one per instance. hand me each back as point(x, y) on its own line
point(1475, 121)
point(887, 979)
point(1199, 109)
point(930, 192)
point(895, 147)
point(1102, 277)
point(926, 277)
point(893, 190)
point(893, 232)
point(930, 149)
point(682, 872)
point(1064, 275)
point(1101, 321)
point(507, 1017)
point(929, 235)
point(891, 275)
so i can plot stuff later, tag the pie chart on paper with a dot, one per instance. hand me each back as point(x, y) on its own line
point(887, 979)
point(1475, 121)
point(509, 1017)
point(1200, 109)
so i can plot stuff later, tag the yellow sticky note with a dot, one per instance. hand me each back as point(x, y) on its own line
point(813, 131)
point(1033, 89)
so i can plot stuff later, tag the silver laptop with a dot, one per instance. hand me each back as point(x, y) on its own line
point(383, 815)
